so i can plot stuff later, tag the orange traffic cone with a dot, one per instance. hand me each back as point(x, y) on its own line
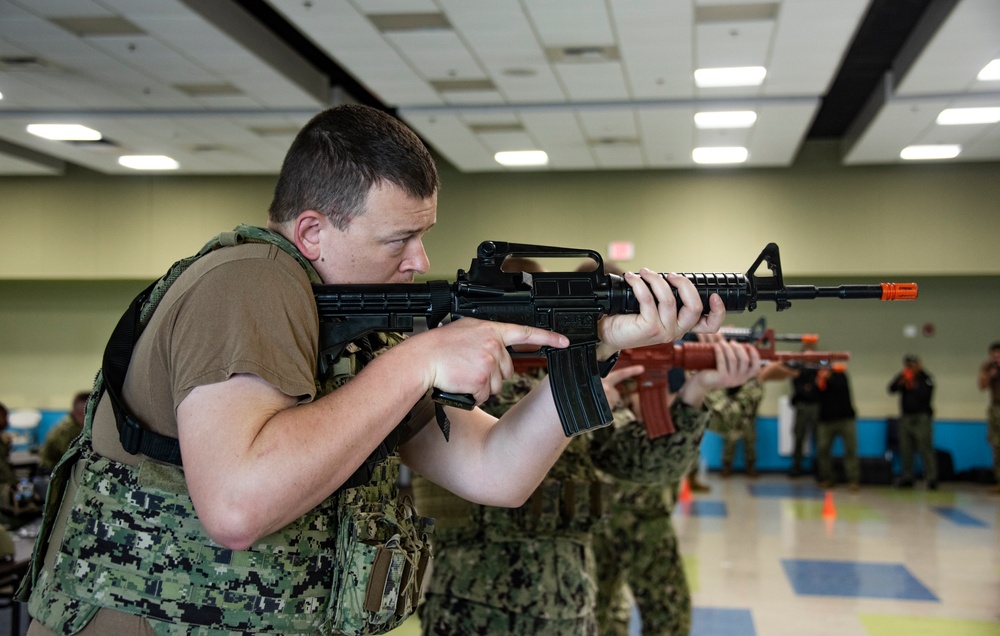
point(684, 495)
point(829, 512)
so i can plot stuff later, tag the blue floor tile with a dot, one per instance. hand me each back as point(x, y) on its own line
point(801, 491)
point(702, 508)
point(958, 517)
point(848, 578)
point(715, 621)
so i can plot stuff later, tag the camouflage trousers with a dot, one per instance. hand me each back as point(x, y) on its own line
point(748, 435)
point(442, 615)
point(519, 587)
point(641, 553)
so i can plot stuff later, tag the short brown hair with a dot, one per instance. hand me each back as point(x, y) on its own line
point(340, 155)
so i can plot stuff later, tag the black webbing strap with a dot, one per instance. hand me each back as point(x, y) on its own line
point(134, 438)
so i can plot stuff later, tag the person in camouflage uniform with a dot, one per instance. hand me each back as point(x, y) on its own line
point(531, 570)
point(637, 550)
point(260, 496)
point(7, 476)
point(989, 380)
point(738, 405)
point(63, 433)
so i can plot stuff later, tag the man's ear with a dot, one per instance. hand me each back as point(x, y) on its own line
point(306, 232)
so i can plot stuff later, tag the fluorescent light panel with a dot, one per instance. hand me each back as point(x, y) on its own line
point(725, 119)
point(522, 158)
point(937, 151)
point(721, 154)
point(990, 72)
point(732, 76)
point(148, 162)
point(64, 132)
point(960, 116)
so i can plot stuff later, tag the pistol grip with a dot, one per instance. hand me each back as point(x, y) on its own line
point(458, 400)
point(577, 389)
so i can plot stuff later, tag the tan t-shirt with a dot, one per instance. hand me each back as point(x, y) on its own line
point(244, 309)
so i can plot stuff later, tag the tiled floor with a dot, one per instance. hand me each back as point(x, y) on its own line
point(776, 557)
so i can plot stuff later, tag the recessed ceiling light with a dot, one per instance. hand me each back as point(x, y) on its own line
point(148, 162)
point(733, 76)
point(522, 158)
point(725, 119)
point(959, 116)
point(990, 72)
point(64, 132)
point(935, 151)
point(721, 154)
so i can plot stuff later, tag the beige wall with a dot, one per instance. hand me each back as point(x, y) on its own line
point(76, 248)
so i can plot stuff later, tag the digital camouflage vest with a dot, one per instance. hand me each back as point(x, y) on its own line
point(133, 542)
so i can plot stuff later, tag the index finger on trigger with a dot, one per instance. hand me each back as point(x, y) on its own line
point(524, 335)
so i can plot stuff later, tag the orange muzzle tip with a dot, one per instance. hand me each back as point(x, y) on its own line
point(810, 338)
point(899, 291)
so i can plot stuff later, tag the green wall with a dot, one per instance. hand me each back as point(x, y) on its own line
point(77, 248)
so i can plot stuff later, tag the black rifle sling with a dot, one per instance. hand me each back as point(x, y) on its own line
point(117, 355)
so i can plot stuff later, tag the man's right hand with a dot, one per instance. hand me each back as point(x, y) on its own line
point(469, 356)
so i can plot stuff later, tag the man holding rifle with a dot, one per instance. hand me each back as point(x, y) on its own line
point(284, 518)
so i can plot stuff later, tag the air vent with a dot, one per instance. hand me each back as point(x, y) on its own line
point(101, 144)
point(275, 131)
point(25, 63)
point(97, 26)
point(447, 86)
point(582, 54)
point(614, 141)
point(736, 12)
point(399, 22)
point(512, 127)
point(208, 148)
point(208, 90)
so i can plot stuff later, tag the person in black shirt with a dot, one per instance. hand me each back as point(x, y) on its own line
point(836, 418)
point(916, 389)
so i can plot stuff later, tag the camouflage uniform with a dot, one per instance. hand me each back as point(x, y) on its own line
point(531, 570)
point(993, 419)
point(131, 541)
point(737, 408)
point(7, 476)
point(638, 547)
point(58, 441)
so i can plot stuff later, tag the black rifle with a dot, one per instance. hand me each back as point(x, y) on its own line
point(570, 303)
